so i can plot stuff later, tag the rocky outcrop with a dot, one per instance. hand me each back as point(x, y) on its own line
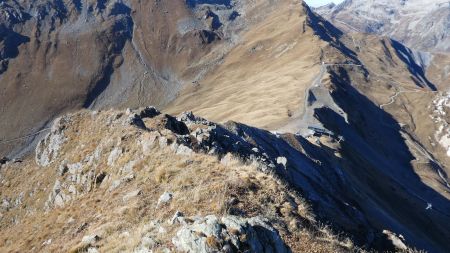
point(228, 234)
point(125, 140)
point(398, 241)
point(3, 160)
point(183, 136)
point(48, 149)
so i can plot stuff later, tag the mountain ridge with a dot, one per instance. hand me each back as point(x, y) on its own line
point(352, 121)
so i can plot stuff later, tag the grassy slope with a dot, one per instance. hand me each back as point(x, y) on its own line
point(201, 185)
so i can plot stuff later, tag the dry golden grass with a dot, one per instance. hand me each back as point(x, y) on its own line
point(271, 66)
point(200, 184)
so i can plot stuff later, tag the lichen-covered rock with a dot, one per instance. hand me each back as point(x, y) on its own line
point(229, 234)
point(74, 180)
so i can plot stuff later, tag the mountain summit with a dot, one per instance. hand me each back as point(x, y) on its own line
point(422, 25)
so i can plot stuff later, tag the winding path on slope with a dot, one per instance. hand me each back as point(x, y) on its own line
point(397, 93)
point(25, 136)
point(425, 153)
point(307, 116)
point(411, 141)
point(399, 89)
point(317, 83)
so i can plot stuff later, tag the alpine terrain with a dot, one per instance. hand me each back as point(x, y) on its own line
point(224, 126)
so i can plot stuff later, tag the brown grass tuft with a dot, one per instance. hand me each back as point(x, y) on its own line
point(212, 242)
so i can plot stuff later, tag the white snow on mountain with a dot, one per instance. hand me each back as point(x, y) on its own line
point(421, 24)
point(440, 117)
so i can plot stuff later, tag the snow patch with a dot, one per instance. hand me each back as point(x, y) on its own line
point(442, 135)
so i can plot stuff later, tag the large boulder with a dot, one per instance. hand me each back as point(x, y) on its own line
point(229, 234)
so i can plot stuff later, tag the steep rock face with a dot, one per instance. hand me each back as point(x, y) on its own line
point(422, 25)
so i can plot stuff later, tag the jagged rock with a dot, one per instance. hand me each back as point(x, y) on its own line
point(90, 239)
point(182, 149)
point(48, 149)
point(136, 118)
point(282, 160)
point(62, 169)
point(92, 250)
point(195, 134)
point(149, 112)
point(74, 180)
point(230, 234)
point(48, 242)
point(175, 126)
point(166, 197)
point(147, 242)
point(19, 199)
point(131, 195)
point(178, 217)
point(117, 183)
point(114, 155)
point(148, 141)
point(6, 204)
point(3, 160)
point(396, 240)
point(57, 197)
point(189, 119)
point(75, 170)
